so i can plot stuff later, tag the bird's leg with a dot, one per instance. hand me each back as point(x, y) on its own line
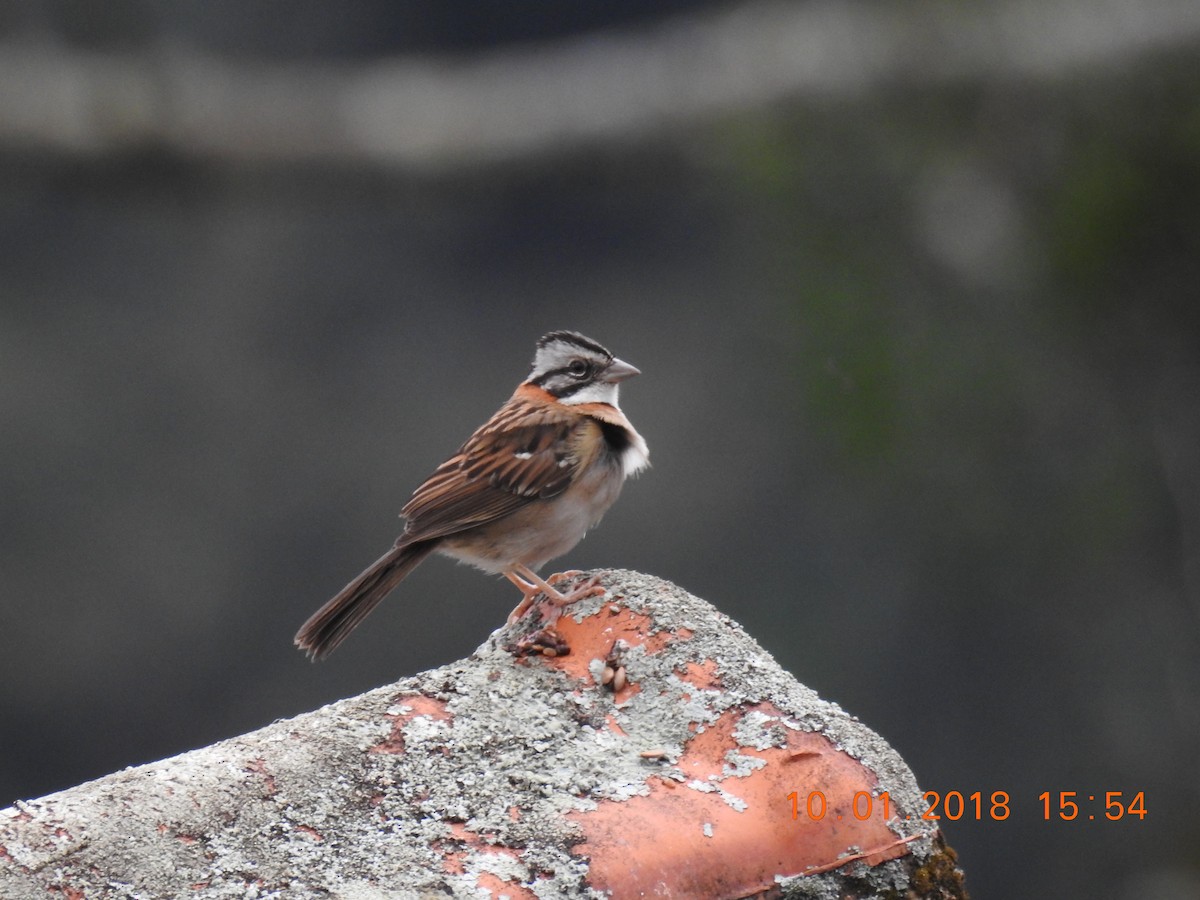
point(531, 587)
point(545, 641)
point(589, 588)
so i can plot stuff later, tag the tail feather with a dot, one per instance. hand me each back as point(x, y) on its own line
point(333, 622)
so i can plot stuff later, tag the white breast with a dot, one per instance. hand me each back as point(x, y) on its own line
point(636, 456)
point(541, 531)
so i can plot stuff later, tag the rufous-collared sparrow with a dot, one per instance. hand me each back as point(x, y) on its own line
point(523, 489)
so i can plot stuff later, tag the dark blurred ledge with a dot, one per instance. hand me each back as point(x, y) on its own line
point(658, 755)
point(439, 111)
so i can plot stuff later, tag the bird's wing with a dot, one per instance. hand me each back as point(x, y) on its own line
point(526, 452)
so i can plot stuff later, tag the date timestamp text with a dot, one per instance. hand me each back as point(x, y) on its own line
point(955, 805)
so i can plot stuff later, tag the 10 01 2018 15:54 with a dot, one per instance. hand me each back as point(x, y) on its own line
point(955, 805)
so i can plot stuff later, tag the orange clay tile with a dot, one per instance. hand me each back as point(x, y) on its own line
point(497, 887)
point(597, 634)
point(418, 705)
point(703, 676)
point(611, 721)
point(259, 767)
point(727, 835)
point(454, 863)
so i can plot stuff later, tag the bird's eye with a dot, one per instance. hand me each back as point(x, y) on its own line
point(578, 368)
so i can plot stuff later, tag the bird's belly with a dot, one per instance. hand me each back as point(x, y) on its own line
point(544, 529)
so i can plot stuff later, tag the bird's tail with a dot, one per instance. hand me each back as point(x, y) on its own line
point(333, 622)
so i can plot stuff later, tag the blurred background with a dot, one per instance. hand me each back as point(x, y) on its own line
point(913, 288)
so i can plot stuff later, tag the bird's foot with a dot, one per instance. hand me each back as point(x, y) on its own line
point(549, 603)
point(589, 588)
point(532, 586)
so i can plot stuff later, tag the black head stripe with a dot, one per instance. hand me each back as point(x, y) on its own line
point(556, 363)
point(560, 384)
point(575, 339)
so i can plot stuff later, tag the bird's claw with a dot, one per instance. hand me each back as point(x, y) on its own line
point(589, 588)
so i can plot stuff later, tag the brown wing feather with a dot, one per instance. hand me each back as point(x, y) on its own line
point(521, 455)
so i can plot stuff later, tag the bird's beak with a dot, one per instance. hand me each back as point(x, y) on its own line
point(618, 370)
